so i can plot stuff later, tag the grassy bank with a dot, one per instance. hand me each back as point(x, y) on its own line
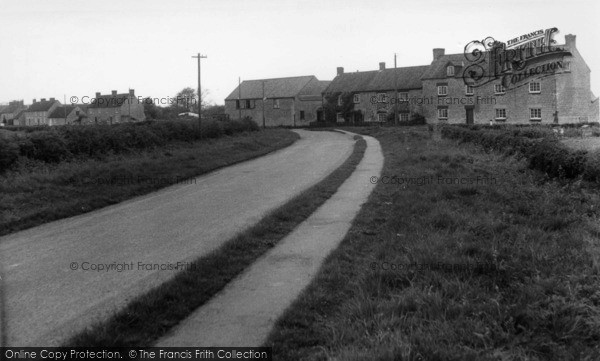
point(35, 192)
point(504, 268)
point(150, 316)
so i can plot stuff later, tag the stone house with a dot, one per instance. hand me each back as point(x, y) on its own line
point(115, 108)
point(376, 96)
point(9, 113)
point(552, 88)
point(293, 101)
point(38, 112)
point(66, 114)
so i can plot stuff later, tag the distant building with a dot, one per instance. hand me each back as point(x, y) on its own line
point(115, 108)
point(66, 114)
point(549, 84)
point(372, 96)
point(293, 101)
point(8, 114)
point(38, 112)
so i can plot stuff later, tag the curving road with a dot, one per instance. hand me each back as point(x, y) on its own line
point(47, 301)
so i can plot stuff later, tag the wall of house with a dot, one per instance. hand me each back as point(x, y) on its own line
point(284, 116)
point(573, 91)
point(39, 118)
point(310, 108)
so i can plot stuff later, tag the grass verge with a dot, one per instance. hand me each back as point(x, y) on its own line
point(150, 316)
point(40, 192)
point(438, 270)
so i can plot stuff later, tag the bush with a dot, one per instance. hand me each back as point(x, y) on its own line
point(46, 146)
point(9, 153)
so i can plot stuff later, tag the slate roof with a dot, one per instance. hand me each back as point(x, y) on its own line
point(274, 88)
point(61, 110)
point(379, 80)
point(109, 101)
point(11, 108)
point(41, 106)
point(313, 90)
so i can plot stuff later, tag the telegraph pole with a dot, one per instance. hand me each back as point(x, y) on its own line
point(396, 90)
point(263, 103)
point(199, 57)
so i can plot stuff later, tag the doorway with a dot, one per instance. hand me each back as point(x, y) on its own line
point(470, 117)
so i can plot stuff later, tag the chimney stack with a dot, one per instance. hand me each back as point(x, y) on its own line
point(97, 95)
point(43, 99)
point(438, 53)
point(340, 70)
point(382, 65)
point(132, 92)
point(52, 99)
point(570, 41)
point(34, 101)
point(114, 93)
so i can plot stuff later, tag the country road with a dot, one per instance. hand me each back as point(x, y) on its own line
point(48, 299)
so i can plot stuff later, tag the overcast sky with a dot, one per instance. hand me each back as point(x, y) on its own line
point(76, 48)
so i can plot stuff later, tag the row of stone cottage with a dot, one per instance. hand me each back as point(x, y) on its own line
point(556, 91)
point(102, 109)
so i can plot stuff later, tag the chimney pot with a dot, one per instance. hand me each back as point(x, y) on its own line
point(570, 40)
point(382, 66)
point(114, 92)
point(34, 101)
point(438, 53)
point(340, 70)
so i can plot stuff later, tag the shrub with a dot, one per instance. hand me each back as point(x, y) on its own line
point(556, 160)
point(9, 153)
point(46, 146)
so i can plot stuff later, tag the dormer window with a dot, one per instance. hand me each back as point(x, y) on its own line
point(450, 70)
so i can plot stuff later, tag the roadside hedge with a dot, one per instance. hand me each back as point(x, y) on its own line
point(55, 144)
point(539, 146)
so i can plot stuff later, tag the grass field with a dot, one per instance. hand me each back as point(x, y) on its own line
point(38, 192)
point(589, 143)
point(505, 266)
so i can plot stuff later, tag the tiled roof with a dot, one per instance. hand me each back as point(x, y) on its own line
point(41, 106)
point(109, 101)
point(60, 111)
point(274, 88)
point(379, 80)
point(313, 90)
point(11, 108)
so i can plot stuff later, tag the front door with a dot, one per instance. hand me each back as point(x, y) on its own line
point(469, 115)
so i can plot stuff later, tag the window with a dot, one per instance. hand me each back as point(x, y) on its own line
point(339, 118)
point(404, 117)
point(356, 98)
point(501, 114)
point(442, 90)
point(302, 115)
point(381, 117)
point(237, 104)
point(469, 90)
point(442, 113)
point(499, 89)
point(340, 101)
point(382, 98)
point(248, 104)
point(403, 96)
point(450, 70)
point(535, 87)
point(275, 103)
point(535, 114)
point(567, 66)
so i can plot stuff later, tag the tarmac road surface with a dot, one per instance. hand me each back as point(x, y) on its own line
point(60, 277)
